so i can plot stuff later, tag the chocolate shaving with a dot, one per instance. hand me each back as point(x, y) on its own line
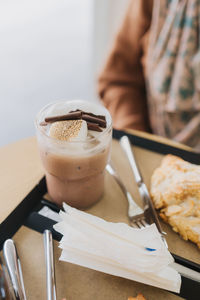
point(97, 116)
point(71, 111)
point(43, 123)
point(95, 120)
point(70, 116)
point(90, 114)
point(94, 127)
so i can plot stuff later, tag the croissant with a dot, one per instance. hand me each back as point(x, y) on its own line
point(175, 191)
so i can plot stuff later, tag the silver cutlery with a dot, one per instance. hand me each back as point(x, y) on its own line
point(149, 210)
point(3, 293)
point(13, 265)
point(50, 272)
point(135, 213)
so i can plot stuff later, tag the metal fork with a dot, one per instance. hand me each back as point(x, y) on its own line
point(135, 213)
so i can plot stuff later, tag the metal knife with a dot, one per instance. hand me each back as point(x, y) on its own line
point(149, 209)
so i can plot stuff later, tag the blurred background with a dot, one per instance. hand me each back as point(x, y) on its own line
point(50, 50)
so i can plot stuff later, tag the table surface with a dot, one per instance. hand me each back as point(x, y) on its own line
point(20, 171)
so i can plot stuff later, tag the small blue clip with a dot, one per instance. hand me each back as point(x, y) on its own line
point(150, 249)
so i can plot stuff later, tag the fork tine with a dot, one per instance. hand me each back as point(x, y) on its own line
point(133, 224)
point(140, 225)
point(140, 222)
point(135, 213)
point(144, 223)
point(137, 224)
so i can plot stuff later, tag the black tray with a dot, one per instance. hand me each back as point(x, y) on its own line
point(26, 213)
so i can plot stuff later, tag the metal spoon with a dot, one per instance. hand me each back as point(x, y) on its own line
point(14, 269)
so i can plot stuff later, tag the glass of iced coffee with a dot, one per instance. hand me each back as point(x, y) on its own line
point(74, 139)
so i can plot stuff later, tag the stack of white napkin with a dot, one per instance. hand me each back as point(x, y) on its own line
point(117, 249)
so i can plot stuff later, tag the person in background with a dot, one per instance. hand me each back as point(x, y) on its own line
point(151, 80)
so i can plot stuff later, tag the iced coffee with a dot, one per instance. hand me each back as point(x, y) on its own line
point(74, 139)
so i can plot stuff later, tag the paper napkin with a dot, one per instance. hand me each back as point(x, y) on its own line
point(117, 249)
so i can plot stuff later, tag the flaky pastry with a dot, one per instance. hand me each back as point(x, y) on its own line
point(175, 191)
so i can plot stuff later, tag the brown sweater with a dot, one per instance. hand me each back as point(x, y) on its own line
point(121, 84)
